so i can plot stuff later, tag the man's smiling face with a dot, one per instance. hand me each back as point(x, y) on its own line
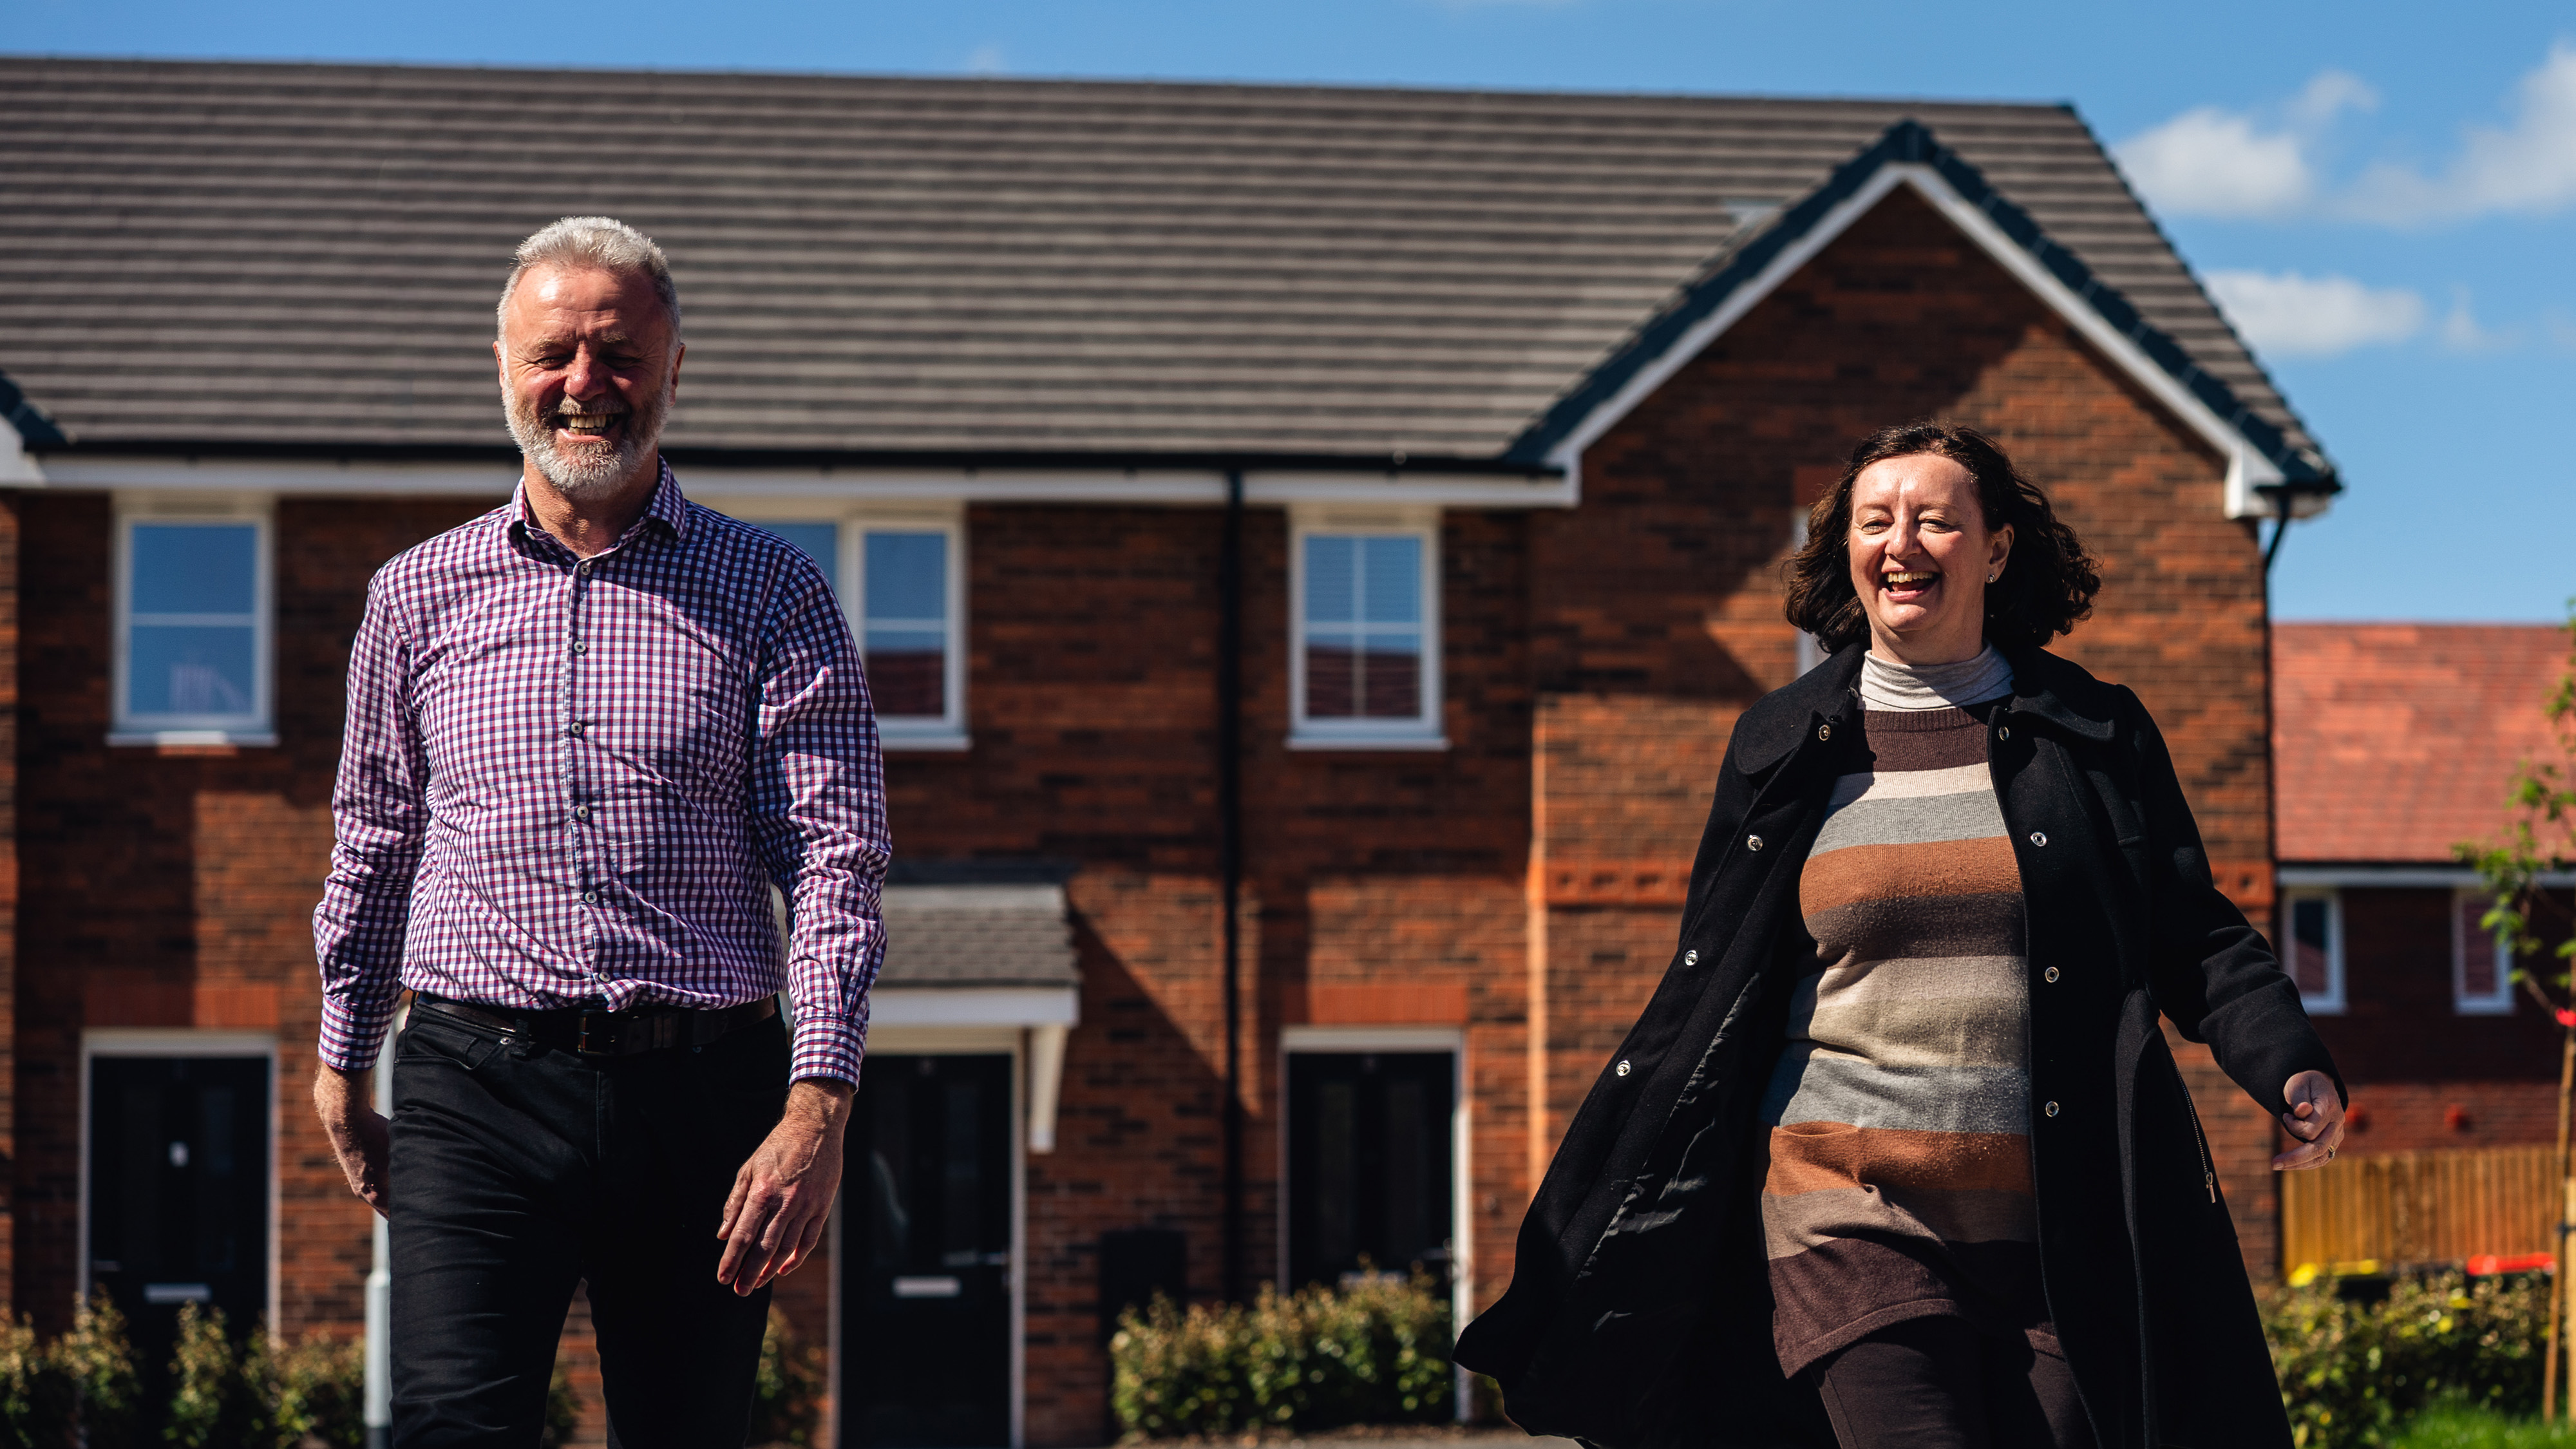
point(588, 370)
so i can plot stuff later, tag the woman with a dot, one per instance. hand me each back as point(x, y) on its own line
point(1897, 1153)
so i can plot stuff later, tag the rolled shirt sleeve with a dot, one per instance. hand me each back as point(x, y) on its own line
point(381, 822)
point(818, 805)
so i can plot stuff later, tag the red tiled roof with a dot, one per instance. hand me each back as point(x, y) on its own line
point(2395, 741)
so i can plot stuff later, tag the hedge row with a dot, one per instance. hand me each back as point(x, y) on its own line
point(2353, 1372)
point(1374, 1353)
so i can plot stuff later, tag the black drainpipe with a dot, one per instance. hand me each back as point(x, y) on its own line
point(1229, 858)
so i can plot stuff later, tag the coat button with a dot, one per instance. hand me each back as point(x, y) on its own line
point(1690, 958)
point(2003, 732)
point(1753, 842)
point(2050, 1109)
point(1623, 1066)
point(1824, 732)
point(2050, 974)
point(2039, 837)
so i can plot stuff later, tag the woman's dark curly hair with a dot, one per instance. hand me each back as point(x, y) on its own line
point(2048, 583)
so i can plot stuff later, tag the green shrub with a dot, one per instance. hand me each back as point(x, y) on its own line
point(563, 1410)
point(96, 1360)
point(787, 1399)
point(2351, 1373)
point(1375, 1353)
point(319, 1388)
point(2457, 1428)
point(218, 1397)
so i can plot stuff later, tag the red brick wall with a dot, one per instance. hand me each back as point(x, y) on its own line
point(1655, 607)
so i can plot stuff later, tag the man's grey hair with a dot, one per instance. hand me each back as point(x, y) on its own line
point(601, 242)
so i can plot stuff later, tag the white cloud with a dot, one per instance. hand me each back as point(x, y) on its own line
point(986, 60)
point(2461, 331)
point(2209, 161)
point(2527, 166)
point(2289, 314)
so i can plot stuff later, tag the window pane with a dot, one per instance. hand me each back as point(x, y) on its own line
point(1392, 671)
point(1394, 580)
point(908, 671)
point(1332, 580)
point(1332, 676)
point(178, 669)
point(907, 576)
point(2478, 975)
point(2308, 945)
point(194, 568)
point(820, 541)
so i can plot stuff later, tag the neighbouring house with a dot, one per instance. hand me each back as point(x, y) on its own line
point(1311, 546)
point(2394, 744)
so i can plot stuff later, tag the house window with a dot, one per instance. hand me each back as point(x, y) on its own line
point(2312, 947)
point(192, 646)
point(1365, 658)
point(2481, 970)
point(900, 582)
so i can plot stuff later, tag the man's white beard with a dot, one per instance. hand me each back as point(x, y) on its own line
point(588, 473)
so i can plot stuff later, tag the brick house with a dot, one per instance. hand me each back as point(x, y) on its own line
point(1310, 544)
point(2395, 743)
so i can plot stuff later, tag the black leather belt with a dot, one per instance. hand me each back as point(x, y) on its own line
point(593, 1032)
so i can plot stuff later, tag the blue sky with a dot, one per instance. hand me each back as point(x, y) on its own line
point(2383, 195)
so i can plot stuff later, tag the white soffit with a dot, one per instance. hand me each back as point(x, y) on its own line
point(2247, 468)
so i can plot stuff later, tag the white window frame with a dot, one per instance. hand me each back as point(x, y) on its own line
point(259, 727)
point(1423, 731)
point(2329, 1002)
point(2466, 938)
point(896, 733)
point(187, 1042)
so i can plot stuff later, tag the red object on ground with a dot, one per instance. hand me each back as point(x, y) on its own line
point(2487, 1264)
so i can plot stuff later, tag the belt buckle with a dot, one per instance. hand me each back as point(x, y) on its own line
point(598, 1040)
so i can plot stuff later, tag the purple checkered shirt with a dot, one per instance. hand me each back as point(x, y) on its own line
point(571, 780)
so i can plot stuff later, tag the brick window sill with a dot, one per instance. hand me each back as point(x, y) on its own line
point(189, 741)
point(1412, 744)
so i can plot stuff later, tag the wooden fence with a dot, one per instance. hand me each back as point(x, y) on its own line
point(2418, 1207)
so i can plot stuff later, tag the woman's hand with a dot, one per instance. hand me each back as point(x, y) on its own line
point(2315, 1118)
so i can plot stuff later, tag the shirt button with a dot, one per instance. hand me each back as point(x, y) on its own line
point(581, 812)
point(582, 568)
point(1753, 842)
point(2049, 975)
point(577, 727)
point(1690, 958)
point(2039, 837)
point(591, 898)
point(1824, 732)
point(2050, 1109)
point(579, 648)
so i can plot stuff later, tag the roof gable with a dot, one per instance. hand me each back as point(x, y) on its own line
point(2260, 451)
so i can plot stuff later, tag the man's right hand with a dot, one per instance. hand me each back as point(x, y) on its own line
point(361, 1139)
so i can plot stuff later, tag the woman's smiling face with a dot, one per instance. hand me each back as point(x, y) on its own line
point(1921, 556)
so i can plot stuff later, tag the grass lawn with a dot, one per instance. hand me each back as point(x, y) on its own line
point(2478, 1429)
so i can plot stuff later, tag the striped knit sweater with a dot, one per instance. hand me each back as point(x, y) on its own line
point(1899, 1184)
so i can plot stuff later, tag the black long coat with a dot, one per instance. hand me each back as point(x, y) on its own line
point(1639, 1314)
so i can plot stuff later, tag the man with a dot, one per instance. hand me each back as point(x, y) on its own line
point(587, 733)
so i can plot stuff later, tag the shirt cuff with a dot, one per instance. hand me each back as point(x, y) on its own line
point(828, 1048)
point(351, 1040)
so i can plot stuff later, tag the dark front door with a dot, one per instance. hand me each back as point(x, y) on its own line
point(178, 1199)
point(926, 1254)
point(1368, 1163)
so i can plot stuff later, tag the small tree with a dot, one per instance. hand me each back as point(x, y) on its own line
point(2540, 839)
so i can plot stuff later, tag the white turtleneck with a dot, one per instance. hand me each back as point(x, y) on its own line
point(1886, 684)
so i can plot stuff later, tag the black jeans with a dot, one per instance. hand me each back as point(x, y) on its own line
point(519, 1171)
point(1944, 1383)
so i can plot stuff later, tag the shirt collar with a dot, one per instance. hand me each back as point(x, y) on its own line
point(667, 511)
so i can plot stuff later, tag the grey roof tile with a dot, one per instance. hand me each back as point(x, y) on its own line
point(221, 253)
point(958, 935)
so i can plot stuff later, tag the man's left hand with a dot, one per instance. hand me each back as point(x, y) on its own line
point(782, 1198)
